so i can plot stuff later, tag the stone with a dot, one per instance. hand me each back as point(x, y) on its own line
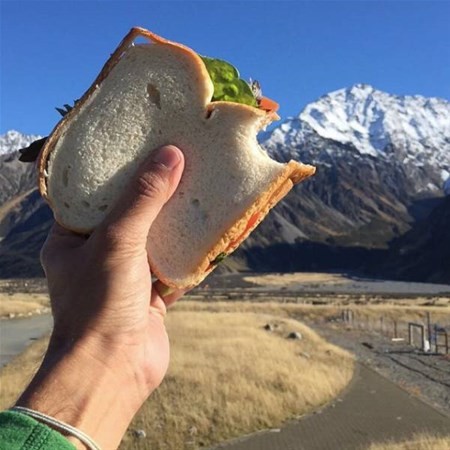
point(140, 434)
point(295, 335)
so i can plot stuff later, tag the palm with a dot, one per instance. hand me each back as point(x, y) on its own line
point(113, 301)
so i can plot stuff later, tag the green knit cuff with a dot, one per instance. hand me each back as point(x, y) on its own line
point(21, 432)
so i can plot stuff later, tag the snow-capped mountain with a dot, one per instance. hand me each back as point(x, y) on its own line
point(14, 140)
point(383, 165)
point(360, 121)
point(15, 176)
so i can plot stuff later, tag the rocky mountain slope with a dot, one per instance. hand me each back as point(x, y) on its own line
point(24, 217)
point(376, 154)
point(15, 177)
point(383, 165)
point(423, 253)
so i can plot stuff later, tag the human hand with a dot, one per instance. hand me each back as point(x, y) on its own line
point(108, 318)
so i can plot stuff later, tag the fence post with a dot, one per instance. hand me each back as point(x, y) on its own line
point(437, 344)
point(429, 328)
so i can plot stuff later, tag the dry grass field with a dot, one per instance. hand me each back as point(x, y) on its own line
point(323, 312)
point(16, 375)
point(285, 279)
point(418, 442)
point(228, 376)
point(18, 304)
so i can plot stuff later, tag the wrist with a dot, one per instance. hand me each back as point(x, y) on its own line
point(89, 387)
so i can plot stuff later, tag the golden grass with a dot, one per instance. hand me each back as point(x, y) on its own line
point(417, 442)
point(325, 312)
point(286, 279)
point(15, 376)
point(17, 305)
point(228, 376)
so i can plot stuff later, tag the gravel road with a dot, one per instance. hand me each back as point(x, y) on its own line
point(426, 375)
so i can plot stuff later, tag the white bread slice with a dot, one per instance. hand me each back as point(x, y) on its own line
point(147, 96)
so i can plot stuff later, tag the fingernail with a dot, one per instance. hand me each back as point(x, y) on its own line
point(168, 156)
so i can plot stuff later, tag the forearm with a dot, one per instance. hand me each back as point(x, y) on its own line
point(84, 391)
point(110, 348)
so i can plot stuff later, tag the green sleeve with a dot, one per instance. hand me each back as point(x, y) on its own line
point(21, 432)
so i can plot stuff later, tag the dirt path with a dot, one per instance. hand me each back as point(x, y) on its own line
point(373, 409)
point(16, 334)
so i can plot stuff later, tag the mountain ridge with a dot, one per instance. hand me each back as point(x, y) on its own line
point(14, 140)
point(369, 122)
point(363, 198)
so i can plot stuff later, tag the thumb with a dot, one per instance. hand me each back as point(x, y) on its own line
point(154, 183)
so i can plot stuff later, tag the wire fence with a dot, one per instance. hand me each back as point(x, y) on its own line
point(425, 335)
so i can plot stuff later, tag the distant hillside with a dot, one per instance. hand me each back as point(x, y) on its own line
point(422, 254)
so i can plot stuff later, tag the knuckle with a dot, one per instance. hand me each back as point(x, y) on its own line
point(152, 185)
point(114, 239)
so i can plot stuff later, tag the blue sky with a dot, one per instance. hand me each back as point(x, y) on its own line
point(51, 51)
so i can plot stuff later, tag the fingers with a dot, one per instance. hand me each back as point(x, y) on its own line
point(60, 237)
point(159, 304)
point(58, 240)
point(158, 177)
point(166, 294)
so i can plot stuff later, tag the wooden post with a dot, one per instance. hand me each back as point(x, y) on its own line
point(429, 328)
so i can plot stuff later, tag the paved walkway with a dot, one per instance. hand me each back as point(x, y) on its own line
point(16, 334)
point(372, 409)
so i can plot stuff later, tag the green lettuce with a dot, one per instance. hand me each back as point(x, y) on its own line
point(227, 84)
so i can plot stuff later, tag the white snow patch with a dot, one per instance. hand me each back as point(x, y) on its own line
point(370, 120)
point(13, 140)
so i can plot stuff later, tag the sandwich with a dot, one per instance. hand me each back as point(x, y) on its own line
point(152, 94)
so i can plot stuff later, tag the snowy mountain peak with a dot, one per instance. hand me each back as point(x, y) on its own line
point(13, 140)
point(361, 123)
point(370, 119)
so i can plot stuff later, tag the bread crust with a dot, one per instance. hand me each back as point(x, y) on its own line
point(294, 172)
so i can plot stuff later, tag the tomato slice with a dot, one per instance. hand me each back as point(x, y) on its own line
point(268, 105)
point(251, 222)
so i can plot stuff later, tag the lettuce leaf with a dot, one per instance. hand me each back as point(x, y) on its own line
point(227, 84)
